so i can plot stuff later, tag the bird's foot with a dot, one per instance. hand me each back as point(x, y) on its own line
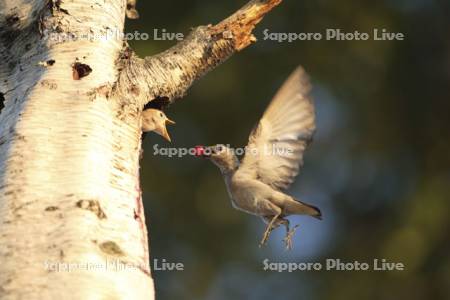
point(265, 236)
point(268, 231)
point(288, 239)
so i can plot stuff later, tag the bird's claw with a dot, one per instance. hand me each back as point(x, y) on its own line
point(288, 239)
point(265, 236)
point(271, 226)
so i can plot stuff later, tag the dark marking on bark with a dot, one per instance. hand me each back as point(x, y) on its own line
point(80, 70)
point(12, 65)
point(10, 29)
point(136, 215)
point(55, 5)
point(51, 208)
point(135, 90)
point(2, 101)
point(111, 248)
point(51, 84)
point(21, 206)
point(35, 13)
point(117, 147)
point(20, 137)
point(93, 206)
point(64, 11)
point(126, 53)
point(118, 166)
point(103, 90)
point(12, 19)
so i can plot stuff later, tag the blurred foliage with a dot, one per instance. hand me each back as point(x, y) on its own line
point(378, 168)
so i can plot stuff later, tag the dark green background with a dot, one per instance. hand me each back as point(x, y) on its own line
point(378, 167)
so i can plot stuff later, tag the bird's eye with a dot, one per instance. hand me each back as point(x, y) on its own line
point(161, 114)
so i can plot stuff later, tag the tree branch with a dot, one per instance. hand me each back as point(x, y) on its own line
point(166, 77)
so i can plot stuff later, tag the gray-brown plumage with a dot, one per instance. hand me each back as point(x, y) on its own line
point(273, 158)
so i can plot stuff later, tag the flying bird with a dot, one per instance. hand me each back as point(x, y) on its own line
point(156, 120)
point(272, 160)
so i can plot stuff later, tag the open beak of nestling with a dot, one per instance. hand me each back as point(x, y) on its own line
point(170, 122)
point(202, 151)
point(162, 130)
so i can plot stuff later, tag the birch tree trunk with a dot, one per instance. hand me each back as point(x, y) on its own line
point(71, 214)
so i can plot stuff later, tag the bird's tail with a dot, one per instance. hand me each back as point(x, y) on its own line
point(297, 207)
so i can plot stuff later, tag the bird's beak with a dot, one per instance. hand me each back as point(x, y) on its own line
point(202, 151)
point(170, 122)
point(162, 131)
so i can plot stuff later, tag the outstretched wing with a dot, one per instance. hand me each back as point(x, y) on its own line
point(274, 153)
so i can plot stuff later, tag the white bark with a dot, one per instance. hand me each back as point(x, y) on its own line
point(69, 146)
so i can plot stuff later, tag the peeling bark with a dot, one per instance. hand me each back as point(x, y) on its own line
point(70, 139)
